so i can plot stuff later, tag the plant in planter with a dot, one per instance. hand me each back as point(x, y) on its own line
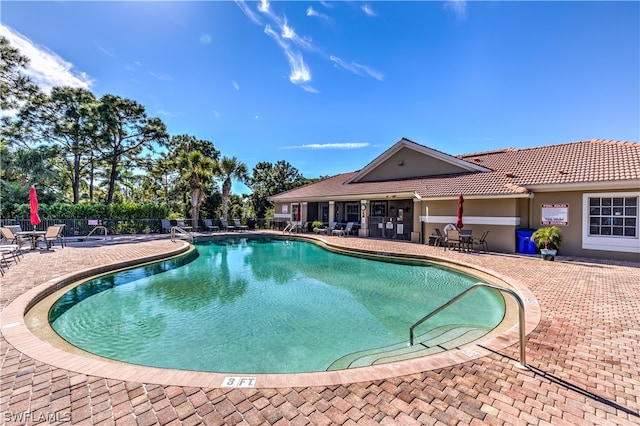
point(316, 224)
point(548, 240)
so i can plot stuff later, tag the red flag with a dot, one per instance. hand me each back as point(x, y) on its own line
point(33, 206)
point(459, 223)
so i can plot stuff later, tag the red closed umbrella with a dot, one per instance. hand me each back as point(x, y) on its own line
point(459, 223)
point(33, 206)
point(298, 213)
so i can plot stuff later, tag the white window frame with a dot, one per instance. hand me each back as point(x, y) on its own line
point(608, 242)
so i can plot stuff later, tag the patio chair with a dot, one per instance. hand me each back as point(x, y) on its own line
point(226, 226)
point(53, 234)
point(239, 226)
point(452, 240)
point(209, 226)
point(436, 239)
point(482, 241)
point(342, 232)
point(11, 238)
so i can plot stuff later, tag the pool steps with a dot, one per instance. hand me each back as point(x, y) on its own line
point(437, 340)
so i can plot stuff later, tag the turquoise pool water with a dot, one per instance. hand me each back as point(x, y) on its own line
point(262, 305)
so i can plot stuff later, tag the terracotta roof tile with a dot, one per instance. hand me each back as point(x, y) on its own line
point(512, 172)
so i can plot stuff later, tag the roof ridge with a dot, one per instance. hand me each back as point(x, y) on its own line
point(590, 141)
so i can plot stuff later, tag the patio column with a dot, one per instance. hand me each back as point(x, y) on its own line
point(416, 235)
point(364, 213)
point(332, 211)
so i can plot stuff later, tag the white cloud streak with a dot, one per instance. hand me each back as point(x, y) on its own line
point(235, 85)
point(357, 68)
point(314, 13)
point(46, 69)
point(368, 10)
point(279, 29)
point(459, 7)
point(335, 145)
point(299, 71)
point(247, 11)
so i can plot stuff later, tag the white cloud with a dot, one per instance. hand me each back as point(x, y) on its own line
point(291, 43)
point(459, 7)
point(216, 114)
point(46, 69)
point(299, 72)
point(357, 68)
point(162, 76)
point(314, 13)
point(264, 6)
point(368, 10)
point(335, 145)
point(235, 85)
point(247, 11)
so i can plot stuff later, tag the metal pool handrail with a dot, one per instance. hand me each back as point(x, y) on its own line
point(178, 230)
point(523, 362)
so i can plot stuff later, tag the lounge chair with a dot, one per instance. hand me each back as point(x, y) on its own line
point(482, 241)
point(226, 226)
point(10, 251)
point(181, 224)
point(288, 227)
point(436, 239)
point(53, 234)
point(326, 230)
point(239, 226)
point(304, 227)
point(166, 226)
point(209, 226)
point(342, 232)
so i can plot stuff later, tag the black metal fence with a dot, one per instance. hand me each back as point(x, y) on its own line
point(75, 227)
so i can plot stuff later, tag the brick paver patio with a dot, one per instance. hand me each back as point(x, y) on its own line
point(584, 357)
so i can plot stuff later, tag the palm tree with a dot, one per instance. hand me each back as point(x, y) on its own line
point(195, 170)
point(227, 170)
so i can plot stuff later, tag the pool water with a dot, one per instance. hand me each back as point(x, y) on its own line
point(262, 305)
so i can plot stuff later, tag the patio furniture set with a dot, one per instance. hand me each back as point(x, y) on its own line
point(459, 239)
point(14, 239)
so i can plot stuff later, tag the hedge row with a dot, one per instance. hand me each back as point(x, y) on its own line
point(97, 211)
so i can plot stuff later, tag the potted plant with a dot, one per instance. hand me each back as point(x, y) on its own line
point(548, 240)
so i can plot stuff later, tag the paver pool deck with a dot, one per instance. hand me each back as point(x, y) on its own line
point(584, 358)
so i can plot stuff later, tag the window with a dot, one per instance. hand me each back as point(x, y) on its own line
point(613, 216)
point(353, 212)
point(610, 221)
point(378, 208)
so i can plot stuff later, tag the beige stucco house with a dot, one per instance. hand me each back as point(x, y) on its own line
point(590, 189)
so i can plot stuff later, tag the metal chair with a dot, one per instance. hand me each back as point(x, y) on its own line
point(482, 241)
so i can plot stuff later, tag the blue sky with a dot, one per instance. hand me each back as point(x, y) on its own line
point(328, 86)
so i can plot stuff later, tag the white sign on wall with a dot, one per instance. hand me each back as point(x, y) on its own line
point(555, 214)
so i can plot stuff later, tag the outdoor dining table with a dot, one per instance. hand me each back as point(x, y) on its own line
point(466, 240)
point(33, 235)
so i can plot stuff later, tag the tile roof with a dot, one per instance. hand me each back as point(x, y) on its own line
point(512, 172)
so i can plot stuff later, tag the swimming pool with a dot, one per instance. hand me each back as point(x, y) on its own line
point(262, 305)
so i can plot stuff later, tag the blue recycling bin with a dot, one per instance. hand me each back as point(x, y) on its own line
point(525, 245)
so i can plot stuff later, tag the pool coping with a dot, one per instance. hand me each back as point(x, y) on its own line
point(17, 333)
